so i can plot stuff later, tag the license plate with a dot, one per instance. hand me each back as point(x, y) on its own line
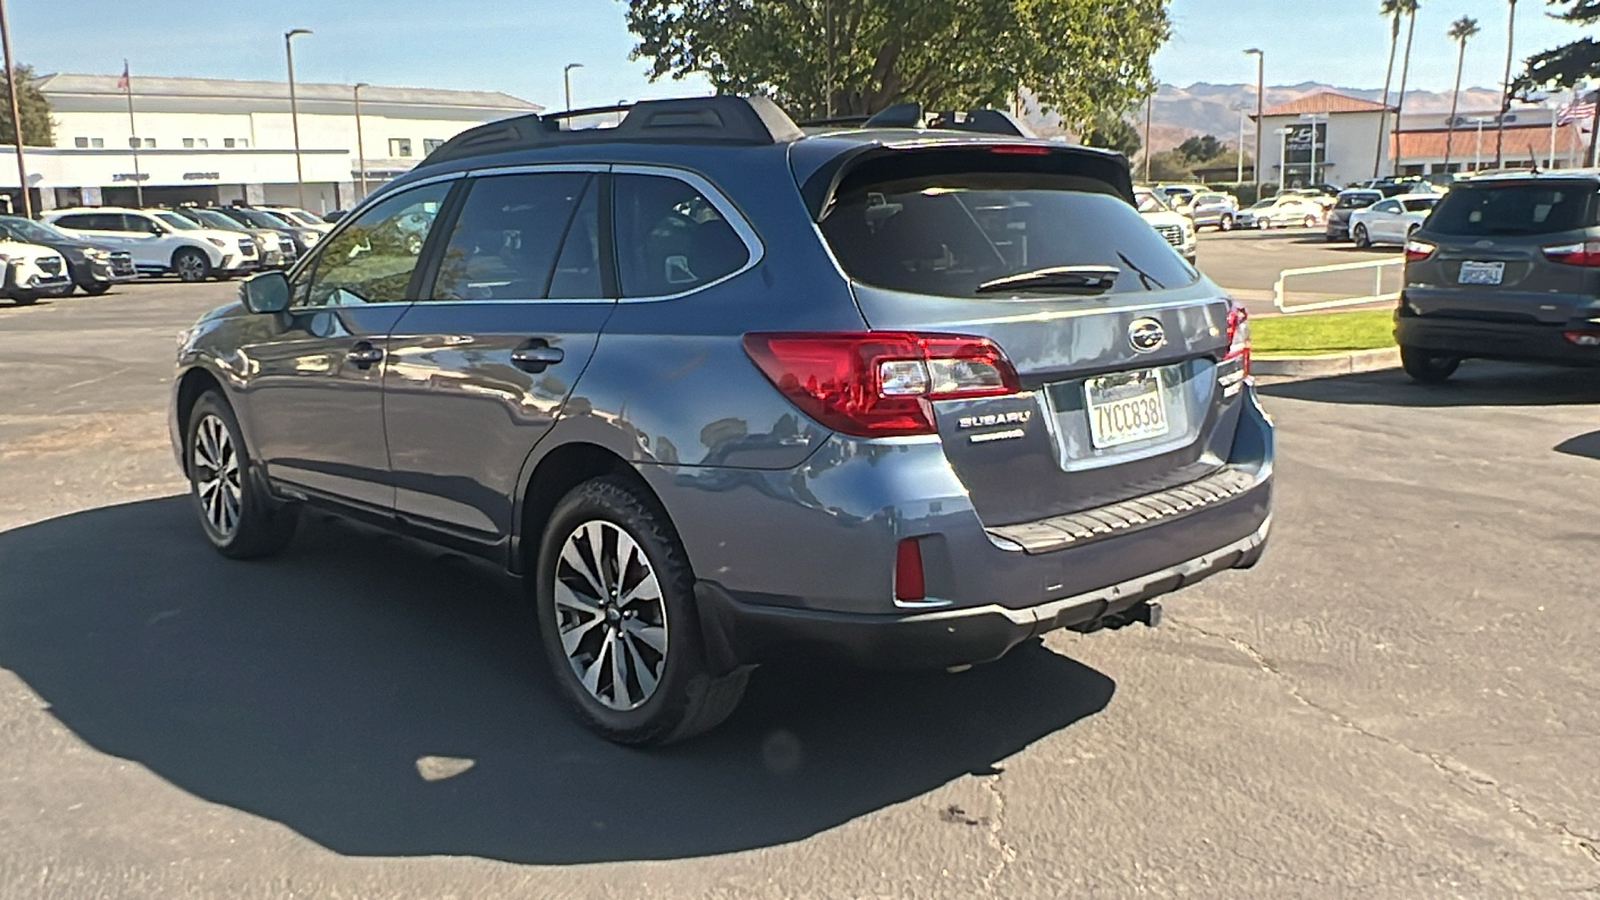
point(1481, 272)
point(1125, 407)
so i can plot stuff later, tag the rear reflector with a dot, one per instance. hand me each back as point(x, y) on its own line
point(908, 584)
point(1581, 254)
point(879, 383)
point(1418, 250)
point(1583, 338)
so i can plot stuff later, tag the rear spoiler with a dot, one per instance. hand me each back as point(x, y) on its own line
point(1105, 166)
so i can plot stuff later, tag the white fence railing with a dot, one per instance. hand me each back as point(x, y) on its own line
point(1379, 268)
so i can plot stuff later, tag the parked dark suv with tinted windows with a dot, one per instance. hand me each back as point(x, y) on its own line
point(1506, 267)
point(718, 390)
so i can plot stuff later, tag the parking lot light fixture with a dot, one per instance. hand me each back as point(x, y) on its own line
point(294, 114)
point(566, 81)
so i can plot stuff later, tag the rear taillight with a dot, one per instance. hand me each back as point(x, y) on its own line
point(1418, 250)
point(1235, 365)
point(1582, 338)
point(1586, 253)
point(879, 383)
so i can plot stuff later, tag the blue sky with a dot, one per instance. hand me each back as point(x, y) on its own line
point(520, 47)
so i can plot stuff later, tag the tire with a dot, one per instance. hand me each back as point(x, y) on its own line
point(1428, 366)
point(1363, 240)
point(22, 299)
point(1309, 222)
point(592, 627)
point(1225, 223)
point(1263, 223)
point(95, 289)
point(191, 264)
point(235, 513)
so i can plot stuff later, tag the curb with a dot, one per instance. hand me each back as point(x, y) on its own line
point(1326, 365)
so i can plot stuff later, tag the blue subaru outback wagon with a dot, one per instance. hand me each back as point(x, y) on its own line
point(900, 394)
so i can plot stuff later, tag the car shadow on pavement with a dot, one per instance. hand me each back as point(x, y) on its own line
point(343, 688)
point(1476, 383)
point(1582, 445)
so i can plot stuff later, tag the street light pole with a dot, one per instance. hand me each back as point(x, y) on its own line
point(294, 115)
point(566, 81)
point(361, 150)
point(1261, 90)
point(16, 113)
point(1238, 177)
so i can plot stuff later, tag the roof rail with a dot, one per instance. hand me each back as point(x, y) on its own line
point(712, 120)
point(910, 115)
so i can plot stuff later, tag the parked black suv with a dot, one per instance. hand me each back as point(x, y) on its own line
point(1506, 267)
point(94, 267)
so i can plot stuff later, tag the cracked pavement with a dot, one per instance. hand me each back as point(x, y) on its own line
point(1398, 702)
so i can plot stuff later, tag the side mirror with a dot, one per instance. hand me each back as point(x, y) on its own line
point(265, 292)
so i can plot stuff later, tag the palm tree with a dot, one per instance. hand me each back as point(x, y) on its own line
point(1460, 31)
point(1505, 96)
point(1394, 10)
point(1405, 71)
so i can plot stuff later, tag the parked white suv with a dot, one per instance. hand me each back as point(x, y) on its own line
point(29, 271)
point(161, 241)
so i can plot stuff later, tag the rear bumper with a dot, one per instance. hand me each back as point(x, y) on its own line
point(1493, 340)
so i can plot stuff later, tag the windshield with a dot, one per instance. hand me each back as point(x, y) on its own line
point(1505, 209)
point(297, 216)
point(213, 219)
point(1263, 204)
point(948, 234)
point(256, 217)
point(1148, 202)
point(37, 232)
point(177, 221)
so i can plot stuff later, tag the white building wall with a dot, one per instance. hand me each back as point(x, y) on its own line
point(1352, 142)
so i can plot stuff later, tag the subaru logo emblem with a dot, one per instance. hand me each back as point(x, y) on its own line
point(1146, 335)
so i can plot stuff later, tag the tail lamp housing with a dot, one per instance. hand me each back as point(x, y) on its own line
point(1416, 250)
point(1235, 365)
point(880, 383)
point(1583, 253)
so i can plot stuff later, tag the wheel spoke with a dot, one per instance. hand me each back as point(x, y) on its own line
point(621, 695)
point(572, 556)
point(654, 635)
point(647, 678)
point(566, 596)
point(572, 637)
point(591, 675)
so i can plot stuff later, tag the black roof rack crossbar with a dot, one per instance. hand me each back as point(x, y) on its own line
point(710, 120)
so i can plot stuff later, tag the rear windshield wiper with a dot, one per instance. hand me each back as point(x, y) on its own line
point(1069, 279)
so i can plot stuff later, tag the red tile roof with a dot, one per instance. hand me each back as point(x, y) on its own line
point(1417, 146)
point(1324, 102)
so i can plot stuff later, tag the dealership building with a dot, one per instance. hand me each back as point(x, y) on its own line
point(216, 141)
point(1331, 138)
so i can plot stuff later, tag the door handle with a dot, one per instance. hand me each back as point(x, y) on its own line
point(535, 355)
point(363, 355)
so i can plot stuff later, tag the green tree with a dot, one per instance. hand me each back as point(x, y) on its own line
point(1568, 64)
point(1170, 165)
point(38, 130)
point(1113, 132)
point(1394, 11)
point(1202, 149)
point(1461, 30)
point(1080, 58)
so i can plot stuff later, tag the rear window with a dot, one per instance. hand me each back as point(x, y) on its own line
point(1509, 209)
point(946, 234)
point(1357, 201)
point(1421, 205)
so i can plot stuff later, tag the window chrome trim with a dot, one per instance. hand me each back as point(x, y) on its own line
point(719, 201)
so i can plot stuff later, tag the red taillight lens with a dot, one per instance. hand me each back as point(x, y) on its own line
point(908, 585)
point(1418, 250)
point(1582, 254)
point(1239, 336)
point(1019, 149)
point(879, 383)
point(1582, 338)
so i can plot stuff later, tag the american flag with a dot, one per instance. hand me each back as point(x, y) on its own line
point(1581, 110)
point(122, 83)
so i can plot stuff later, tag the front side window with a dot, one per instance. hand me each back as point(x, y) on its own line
point(670, 238)
point(957, 234)
point(1388, 206)
point(506, 241)
point(371, 259)
point(1422, 205)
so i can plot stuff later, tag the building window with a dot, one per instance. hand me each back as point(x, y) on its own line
point(188, 143)
point(399, 147)
point(97, 143)
point(81, 143)
point(431, 144)
point(146, 143)
point(244, 143)
point(231, 143)
point(227, 143)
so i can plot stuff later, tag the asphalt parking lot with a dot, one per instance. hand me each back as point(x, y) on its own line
point(1248, 263)
point(1398, 702)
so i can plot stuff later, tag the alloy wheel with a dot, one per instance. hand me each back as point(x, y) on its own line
point(217, 477)
point(191, 267)
point(610, 615)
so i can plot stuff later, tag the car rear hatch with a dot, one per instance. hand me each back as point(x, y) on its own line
point(1117, 346)
point(1510, 251)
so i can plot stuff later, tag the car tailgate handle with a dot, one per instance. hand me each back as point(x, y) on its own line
point(535, 355)
point(363, 355)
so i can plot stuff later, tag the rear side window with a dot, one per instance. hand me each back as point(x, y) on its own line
point(670, 239)
point(1357, 201)
point(1422, 205)
point(947, 234)
point(1510, 209)
point(506, 240)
